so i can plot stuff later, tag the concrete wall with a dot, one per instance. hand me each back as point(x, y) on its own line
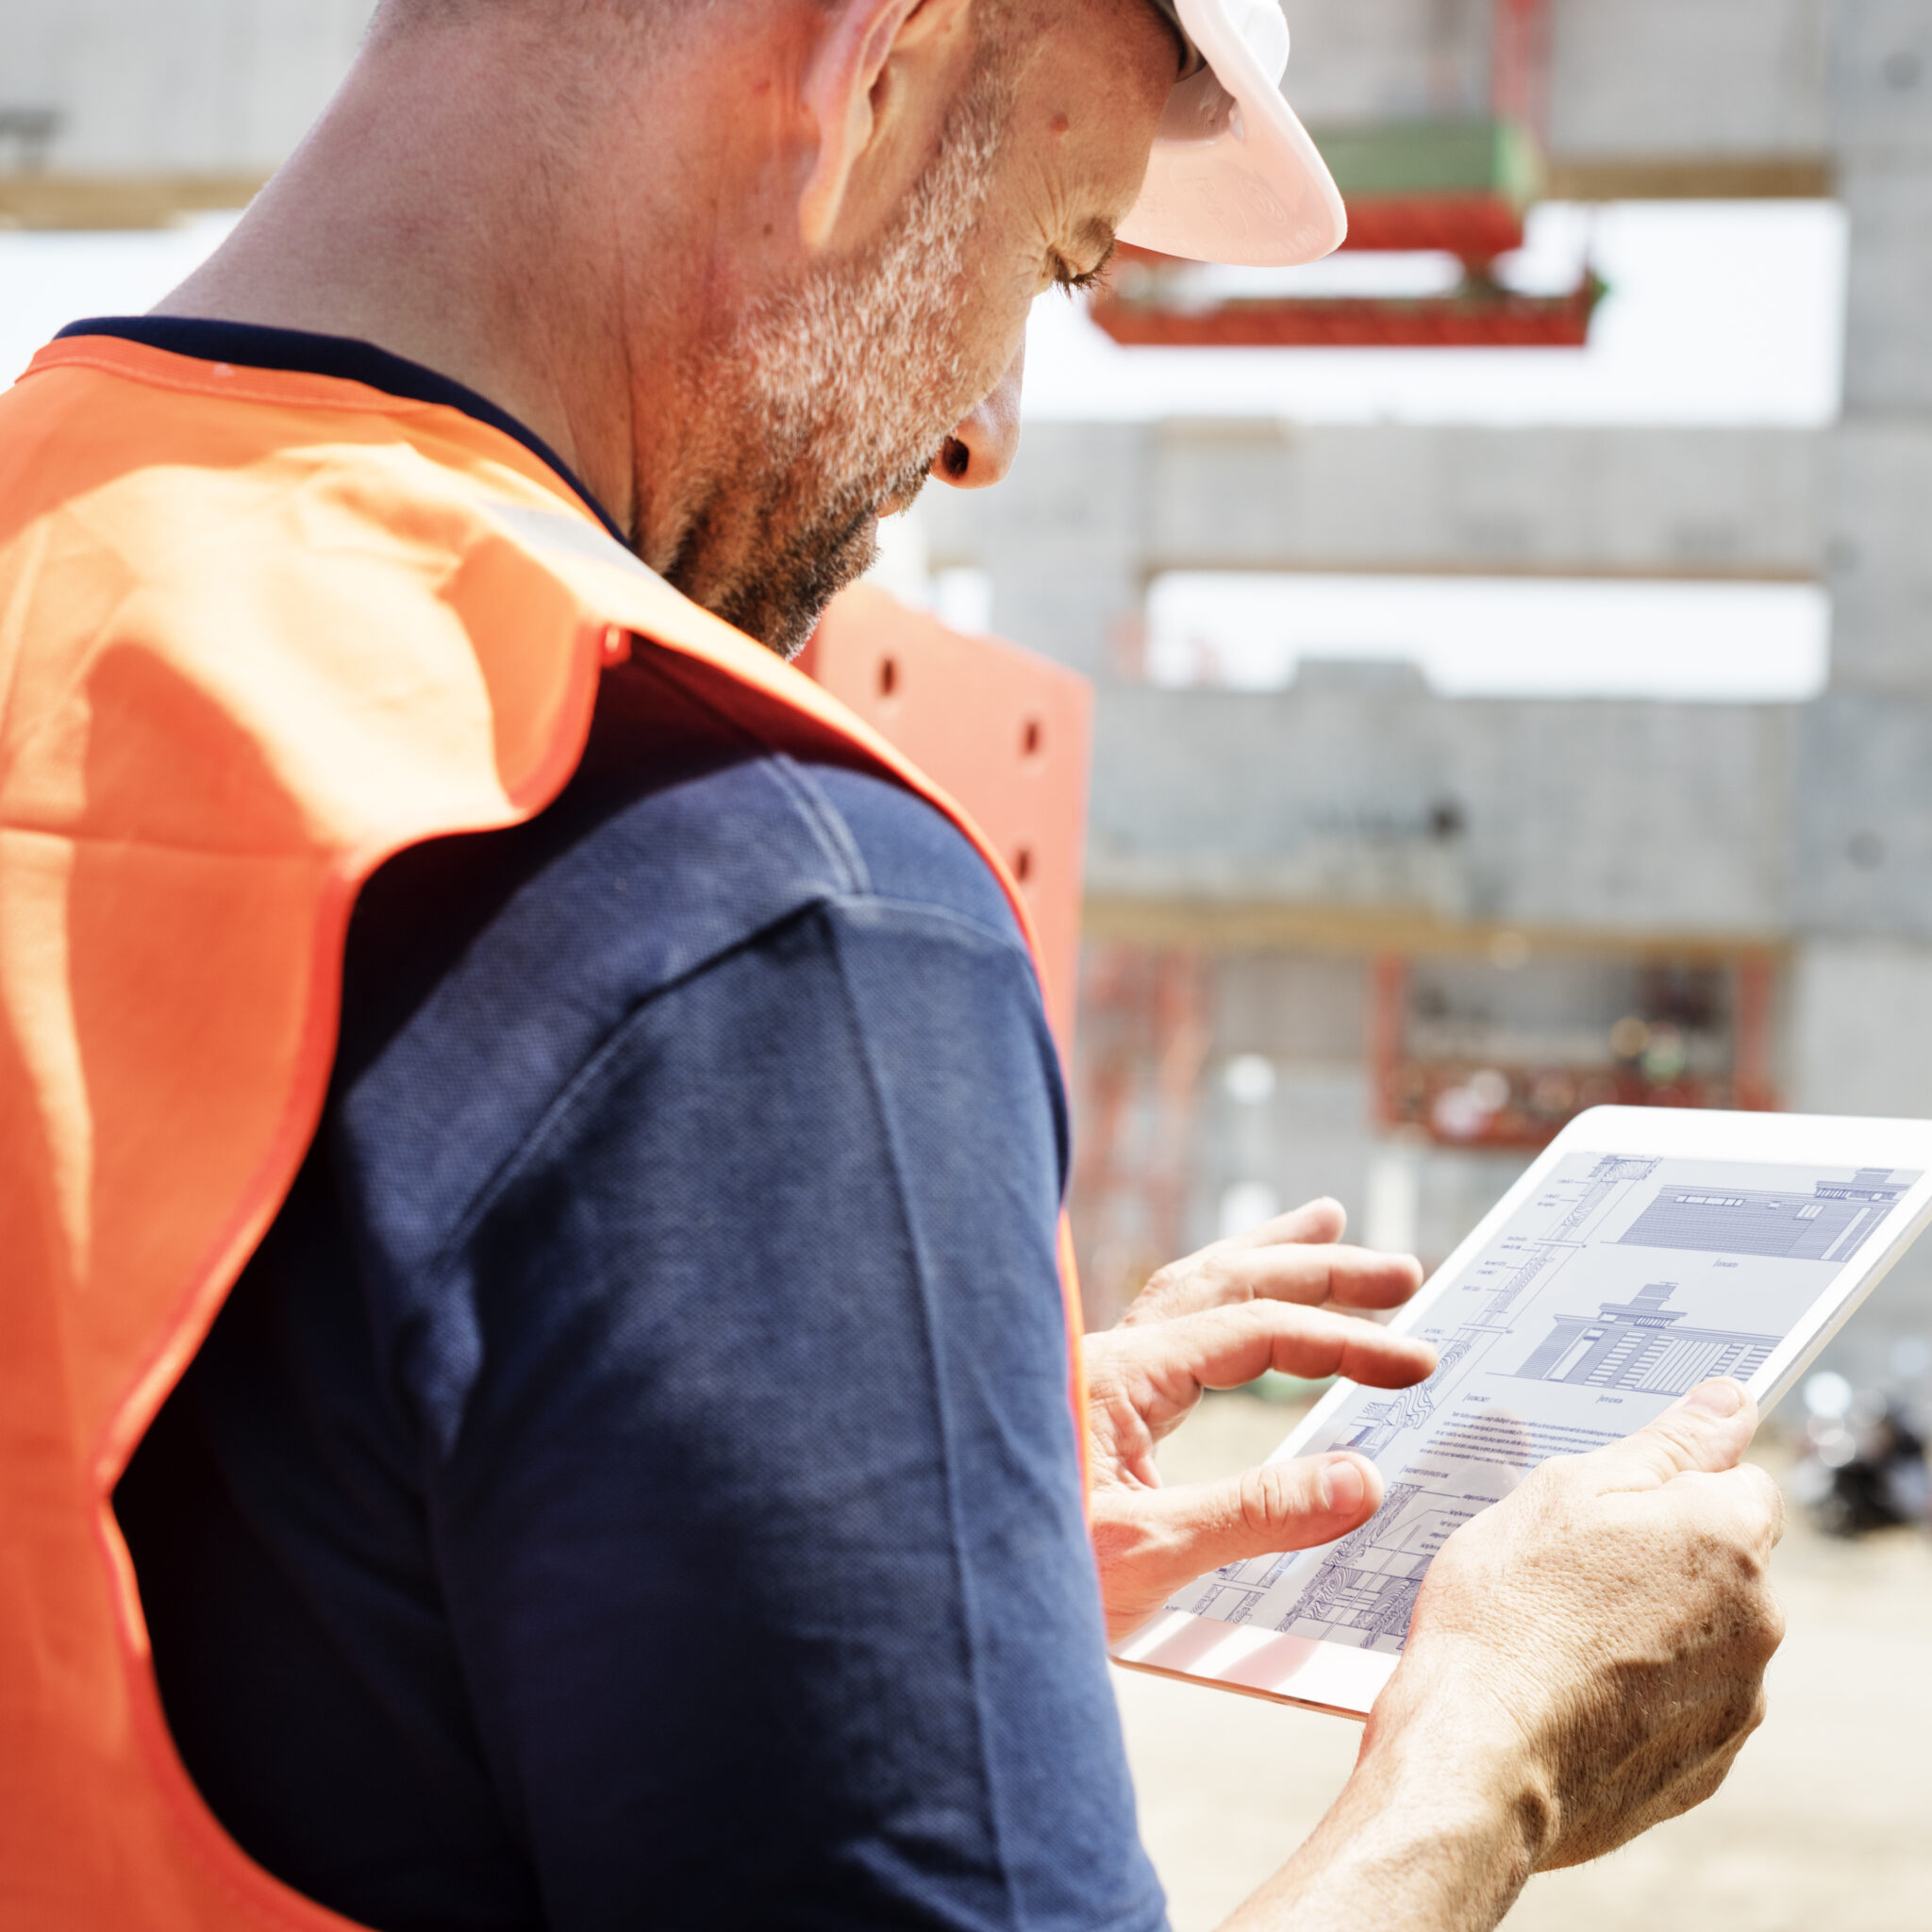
point(1358, 787)
point(191, 87)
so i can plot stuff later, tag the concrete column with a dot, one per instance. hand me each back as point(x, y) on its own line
point(1861, 1005)
point(1862, 1044)
point(1062, 539)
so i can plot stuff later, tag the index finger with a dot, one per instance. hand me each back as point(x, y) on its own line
point(1224, 1348)
point(1290, 1270)
point(1349, 1276)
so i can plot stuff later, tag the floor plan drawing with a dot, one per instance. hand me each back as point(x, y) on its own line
point(1616, 1286)
point(1409, 1409)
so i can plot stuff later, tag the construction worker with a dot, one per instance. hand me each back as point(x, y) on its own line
point(537, 1389)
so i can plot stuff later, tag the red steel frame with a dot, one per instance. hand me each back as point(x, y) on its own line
point(1403, 1089)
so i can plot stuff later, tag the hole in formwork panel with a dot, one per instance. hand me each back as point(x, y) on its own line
point(888, 677)
point(1022, 865)
point(1030, 739)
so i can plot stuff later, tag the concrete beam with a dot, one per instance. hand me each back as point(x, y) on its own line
point(1265, 495)
point(1694, 176)
point(1588, 502)
point(118, 201)
point(1092, 511)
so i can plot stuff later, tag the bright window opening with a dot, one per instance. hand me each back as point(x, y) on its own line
point(1497, 637)
point(48, 280)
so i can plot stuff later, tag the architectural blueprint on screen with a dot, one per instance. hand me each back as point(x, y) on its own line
point(1621, 1284)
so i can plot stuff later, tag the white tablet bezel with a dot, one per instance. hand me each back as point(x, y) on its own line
point(1337, 1678)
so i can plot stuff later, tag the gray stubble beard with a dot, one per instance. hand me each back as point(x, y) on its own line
point(851, 383)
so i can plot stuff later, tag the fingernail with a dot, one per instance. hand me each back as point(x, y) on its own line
point(1716, 1398)
point(1342, 1487)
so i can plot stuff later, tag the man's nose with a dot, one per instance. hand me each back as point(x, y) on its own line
point(980, 451)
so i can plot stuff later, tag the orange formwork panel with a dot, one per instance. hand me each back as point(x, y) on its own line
point(1004, 731)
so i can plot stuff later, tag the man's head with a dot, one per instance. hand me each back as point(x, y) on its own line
point(753, 267)
point(814, 228)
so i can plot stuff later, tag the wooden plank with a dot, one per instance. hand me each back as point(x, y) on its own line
point(122, 201)
point(1688, 178)
point(1231, 926)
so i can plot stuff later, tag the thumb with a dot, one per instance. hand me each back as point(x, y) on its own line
point(1280, 1506)
point(1707, 1430)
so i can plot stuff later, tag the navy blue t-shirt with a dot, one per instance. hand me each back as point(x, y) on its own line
point(632, 1484)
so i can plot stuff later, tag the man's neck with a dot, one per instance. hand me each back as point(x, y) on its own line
point(420, 217)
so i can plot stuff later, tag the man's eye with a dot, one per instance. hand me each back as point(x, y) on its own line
point(1068, 279)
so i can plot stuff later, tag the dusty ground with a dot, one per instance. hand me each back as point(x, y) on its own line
point(1825, 1826)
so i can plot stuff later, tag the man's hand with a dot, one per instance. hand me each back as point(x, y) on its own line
point(1216, 1320)
point(1586, 1659)
point(1616, 1608)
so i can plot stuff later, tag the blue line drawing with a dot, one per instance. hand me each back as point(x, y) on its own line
point(1411, 1407)
point(1502, 1399)
point(1783, 1225)
point(1635, 1346)
point(1364, 1593)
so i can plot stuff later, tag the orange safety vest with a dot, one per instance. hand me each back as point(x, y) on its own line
point(258, 631)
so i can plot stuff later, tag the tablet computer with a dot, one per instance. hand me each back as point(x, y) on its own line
point(1645, 1250)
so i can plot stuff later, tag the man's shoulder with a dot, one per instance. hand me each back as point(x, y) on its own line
point(684, 832)
point(484, 971)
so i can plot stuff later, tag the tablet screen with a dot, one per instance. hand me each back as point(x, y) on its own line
point(1621, 1283)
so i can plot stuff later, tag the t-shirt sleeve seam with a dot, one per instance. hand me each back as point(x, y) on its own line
point(888, 1132)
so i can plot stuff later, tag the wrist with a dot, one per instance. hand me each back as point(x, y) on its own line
point(1437, 1830)
point(1454, 1750)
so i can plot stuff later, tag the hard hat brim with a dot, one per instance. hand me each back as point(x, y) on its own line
point(1233, 176)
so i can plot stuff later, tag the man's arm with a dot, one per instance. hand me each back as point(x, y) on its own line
point(1587, 1659)
point(760, 1525)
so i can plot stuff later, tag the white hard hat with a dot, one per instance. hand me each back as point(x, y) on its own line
point(1234, 176)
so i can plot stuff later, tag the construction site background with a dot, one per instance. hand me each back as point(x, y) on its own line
point(1364, 916)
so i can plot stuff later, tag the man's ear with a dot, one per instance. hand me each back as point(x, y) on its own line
point(842, 93)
